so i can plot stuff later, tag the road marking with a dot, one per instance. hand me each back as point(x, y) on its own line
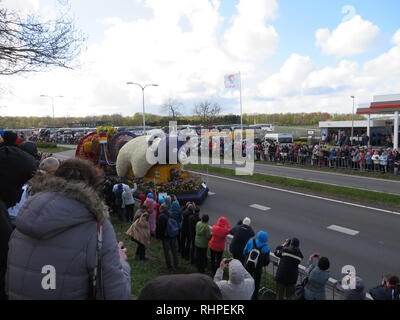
point(297, 193)
point(259, 207)
point(343, 230)
point(316, 181)
point(211, 193)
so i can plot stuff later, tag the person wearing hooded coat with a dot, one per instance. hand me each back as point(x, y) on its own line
point(263, 260)
point(193, 219)
point(139, 232)
point(217, 242)
point(57, 227)
point(16, 168)
point(288, 268)
point(240, 285)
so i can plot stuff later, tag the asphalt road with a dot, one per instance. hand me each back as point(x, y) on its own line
point(371, 245)
point(373, 251)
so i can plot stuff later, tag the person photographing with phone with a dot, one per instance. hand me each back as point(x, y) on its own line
point(240, 285)
point(317, 275)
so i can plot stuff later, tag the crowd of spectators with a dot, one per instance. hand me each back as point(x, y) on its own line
point(56, 215)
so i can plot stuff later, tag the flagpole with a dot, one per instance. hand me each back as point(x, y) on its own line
point(241, 114)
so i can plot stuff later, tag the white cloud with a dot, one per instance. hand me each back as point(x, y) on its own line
point(288, 80)
point(249, 37)
point(332, 77)
point(351, 37)
point(396, 38)
point(23, 6)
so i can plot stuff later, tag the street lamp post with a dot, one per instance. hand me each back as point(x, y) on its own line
point(52, 102)
point(352, 122)
point(143, 87)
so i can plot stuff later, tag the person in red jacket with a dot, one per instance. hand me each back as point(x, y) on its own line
point(217, 242)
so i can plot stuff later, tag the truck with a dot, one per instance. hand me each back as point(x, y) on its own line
point(281, 138)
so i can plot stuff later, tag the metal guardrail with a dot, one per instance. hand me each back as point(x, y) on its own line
point(334, 290)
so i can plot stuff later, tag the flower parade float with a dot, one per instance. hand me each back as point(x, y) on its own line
point(154, 164)
point(151, 162)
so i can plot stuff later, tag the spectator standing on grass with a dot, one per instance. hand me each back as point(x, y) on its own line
point(118, 189)
point(217, 243)
point(158, 205)
point(388, 290)
point(177, 215)
point(139, 232)
point(240, 285)
point(152, 218)
point(368, 161)
point(193, 219)
point(168, 242)
point(203, 236)
point(259, 243)
point(58, 226)
point(141, 211)
point(241, 234)
point(187, 212)
point(317, 278)
point(383, 162)
point(129, 201)
point(376, 161)
point(288, 269)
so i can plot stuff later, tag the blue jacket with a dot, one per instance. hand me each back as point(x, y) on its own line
point(262, 239)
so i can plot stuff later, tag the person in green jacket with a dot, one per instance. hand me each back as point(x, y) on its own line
point(203, 235)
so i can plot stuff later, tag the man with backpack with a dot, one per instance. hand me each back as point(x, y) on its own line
point(167, 231)
point(256, 254)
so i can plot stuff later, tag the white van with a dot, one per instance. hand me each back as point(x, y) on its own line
point(281, 138)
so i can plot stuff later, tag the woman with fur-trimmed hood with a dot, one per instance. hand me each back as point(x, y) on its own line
point(52, 252)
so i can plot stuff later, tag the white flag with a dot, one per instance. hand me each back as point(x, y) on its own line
point(232, 81)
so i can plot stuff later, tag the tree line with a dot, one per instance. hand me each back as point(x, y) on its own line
point(117, 120)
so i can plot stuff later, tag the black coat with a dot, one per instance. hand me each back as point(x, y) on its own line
point(241, 234)
point(161, 228)
point(5, 233)
point(193, 219)
point(16, 168)
point(186, 214)
point(288, 269)
point(381, 293)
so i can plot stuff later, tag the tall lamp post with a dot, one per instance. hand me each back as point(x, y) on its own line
point(52, 102)
point(143, 87)
point(352, 122)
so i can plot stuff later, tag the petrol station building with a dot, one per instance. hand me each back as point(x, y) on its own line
point(378, 130)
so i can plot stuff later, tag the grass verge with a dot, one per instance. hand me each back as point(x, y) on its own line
point(372, 197)
point(53, 150)
point(144, 271)
point(386, 176)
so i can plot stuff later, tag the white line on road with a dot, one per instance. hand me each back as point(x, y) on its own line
point(259, 207)
point(343, 230)
point(298, 193)
point(211, 193)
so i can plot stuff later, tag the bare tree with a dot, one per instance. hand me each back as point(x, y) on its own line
point(29, 44)
point(173, 107)
point(207, 110)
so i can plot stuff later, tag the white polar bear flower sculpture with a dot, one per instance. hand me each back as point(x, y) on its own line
point(133, 155)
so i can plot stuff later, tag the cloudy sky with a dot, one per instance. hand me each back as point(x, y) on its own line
point(293, 55)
